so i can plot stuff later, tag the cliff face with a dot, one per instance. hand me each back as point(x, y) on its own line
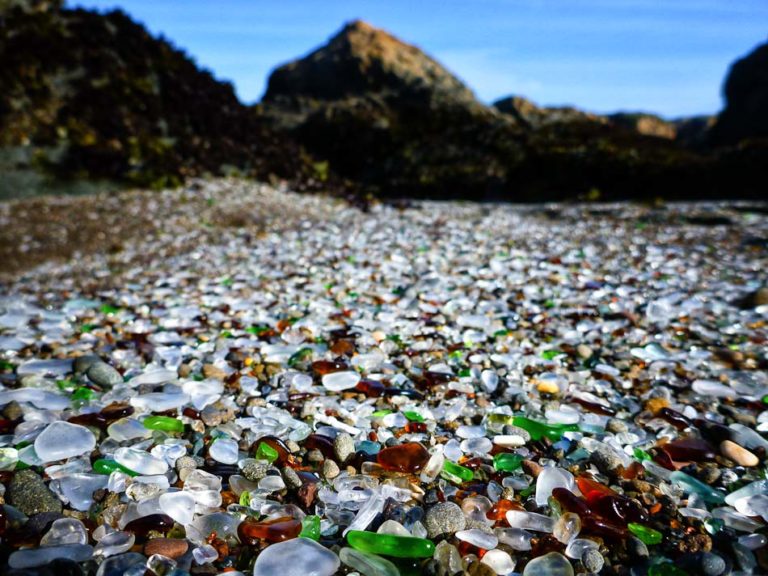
point(95, 96)
point(745, 116)
point(362, 62)
point(393, 121)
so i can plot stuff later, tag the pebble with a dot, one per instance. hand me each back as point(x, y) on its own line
point(30, 495)
point(65, 531)
point(739, 455)
point(339, 381)
point(173, 548)
point(343, 447)
point(103, 374)
point(444, 518)
point(330, 469)
point(593, 561)
point(255, 470)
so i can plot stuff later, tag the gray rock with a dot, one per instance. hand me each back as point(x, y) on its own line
point(636, 548)
point(444, 518)
point(82, 364)
point(255, 470)
point(593, 561)
point(343, 447)
point(704, 563)
point(30, 495)
point(605, 460)
point(292, 480)
point(330, 469)
point(103, 374)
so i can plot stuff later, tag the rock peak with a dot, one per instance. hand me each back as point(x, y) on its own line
point(364, 61)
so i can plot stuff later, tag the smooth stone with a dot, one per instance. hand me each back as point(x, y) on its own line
point(30, 495)
point(444, 518)
point(40, 556)
point(169, 547)
point(83, 363)
point(509, 440)
point(552, 564)
point(297, 557)
point(702, 563)
point(741, 456)
point(62, 440)
point(343, 446)
point(103, 374)
point(479, 538)
point(224, 450)
point(593, 561)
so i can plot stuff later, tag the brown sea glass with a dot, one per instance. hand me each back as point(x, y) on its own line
point(409, 457)
point(689, 449)
point(146, 524)
point(251, 531)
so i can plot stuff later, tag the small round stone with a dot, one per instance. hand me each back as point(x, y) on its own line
point(330, 469)
point(30, 495)
point(343, 447)
point(593, 561)
point(741, 456)
point(444, 518)
point(169, 547)
point(291, 478)
point(103, 374)
point(255, 470)
point(83, 363)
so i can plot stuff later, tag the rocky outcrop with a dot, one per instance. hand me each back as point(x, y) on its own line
point(362, 62)
point(745, 116)
point(645, 124)
point(394, 122)
point(95, 96)
point(391, 119)
point(535, 117)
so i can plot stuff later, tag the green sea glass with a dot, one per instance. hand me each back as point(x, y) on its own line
point(164, 423)
point(391, 545)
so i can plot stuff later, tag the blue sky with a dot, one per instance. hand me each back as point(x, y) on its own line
point(663, 56)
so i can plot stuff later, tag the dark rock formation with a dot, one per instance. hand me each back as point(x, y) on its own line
point(646, 124)
point(96, 96)
point(745, 116)
point(535, 117)
point(391, 120)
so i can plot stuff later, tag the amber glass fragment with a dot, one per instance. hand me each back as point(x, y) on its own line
point(409, 457)
point(251, 530)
